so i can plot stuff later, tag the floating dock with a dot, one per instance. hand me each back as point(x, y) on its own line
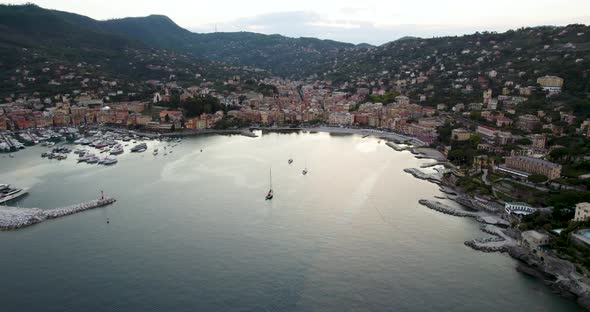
point(13, 218)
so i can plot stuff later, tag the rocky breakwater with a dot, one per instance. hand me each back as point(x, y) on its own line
point(419, 174)
point(498, 242)
point(12, 218)
point(560, 275)
point(479, 216)
point(396, 147)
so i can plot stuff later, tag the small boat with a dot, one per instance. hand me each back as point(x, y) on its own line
point(155, 152)
point(290, 161)
point(11, 155)
point(270, 193)
point(139, 148)
point(304, 172)
point(109, 160)
point(117, 149)
point(93, 160)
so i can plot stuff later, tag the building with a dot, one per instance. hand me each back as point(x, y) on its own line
point(551, 83)
point(534, 239)
point(487, 131)
point(534, 166)
point(460, 134)
point(582, 212)
point(519, 208)
point(539, 141)
point(402, 100)
point(172, 115)
point(527, 122)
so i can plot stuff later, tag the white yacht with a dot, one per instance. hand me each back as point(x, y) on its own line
point(110, 160)
point(7, 193)
point(117, 149)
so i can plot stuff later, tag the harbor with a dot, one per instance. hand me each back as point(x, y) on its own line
point(209, 208)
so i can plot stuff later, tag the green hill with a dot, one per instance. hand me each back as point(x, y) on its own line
point(33, 26)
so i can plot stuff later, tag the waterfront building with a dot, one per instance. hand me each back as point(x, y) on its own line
point(534, 240)
point(172, 115)
point(534, 166)
point(582, 212)
point(518, 208)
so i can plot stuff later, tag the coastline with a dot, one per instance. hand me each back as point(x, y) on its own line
point(558, 274)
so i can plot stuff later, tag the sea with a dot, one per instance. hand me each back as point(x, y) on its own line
point(191, 231)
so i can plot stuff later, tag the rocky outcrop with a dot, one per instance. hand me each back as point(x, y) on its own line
point(556, 273)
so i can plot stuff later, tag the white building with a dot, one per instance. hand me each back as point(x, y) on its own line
point(582, 212)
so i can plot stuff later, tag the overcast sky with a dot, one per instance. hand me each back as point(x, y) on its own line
point(371, 21)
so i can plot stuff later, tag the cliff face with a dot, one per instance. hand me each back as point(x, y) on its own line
point(556, 273)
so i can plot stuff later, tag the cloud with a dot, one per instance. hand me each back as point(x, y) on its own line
point(353, 25)
point(305, 24)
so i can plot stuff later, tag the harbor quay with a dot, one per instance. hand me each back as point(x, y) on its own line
point(13, 218)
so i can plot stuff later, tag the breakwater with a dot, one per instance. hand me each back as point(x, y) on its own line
point(12, 218)
point(479, 216)
point(417, 173)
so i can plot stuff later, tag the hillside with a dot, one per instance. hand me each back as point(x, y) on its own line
point(38, 46)
point(29, 25)
point(518, 55)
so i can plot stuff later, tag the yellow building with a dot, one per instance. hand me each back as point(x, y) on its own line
point(550, 83)
point(534, 166)
point(460, 135)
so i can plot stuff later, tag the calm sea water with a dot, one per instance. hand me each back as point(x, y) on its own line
point(191, 231)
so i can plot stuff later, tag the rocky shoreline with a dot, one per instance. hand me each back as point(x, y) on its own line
point(558, 274)
point(419, 174)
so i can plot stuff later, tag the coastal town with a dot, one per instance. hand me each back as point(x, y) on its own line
point(511, 145)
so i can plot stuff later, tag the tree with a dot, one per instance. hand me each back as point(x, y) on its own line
point(524, 141)
point(537, 178)
point(207, 104)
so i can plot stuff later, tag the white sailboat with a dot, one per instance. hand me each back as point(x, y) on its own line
point(270, 193)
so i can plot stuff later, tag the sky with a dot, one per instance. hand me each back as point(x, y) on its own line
point(361, 21)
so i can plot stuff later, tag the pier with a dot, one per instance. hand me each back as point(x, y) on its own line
point(13, 218)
